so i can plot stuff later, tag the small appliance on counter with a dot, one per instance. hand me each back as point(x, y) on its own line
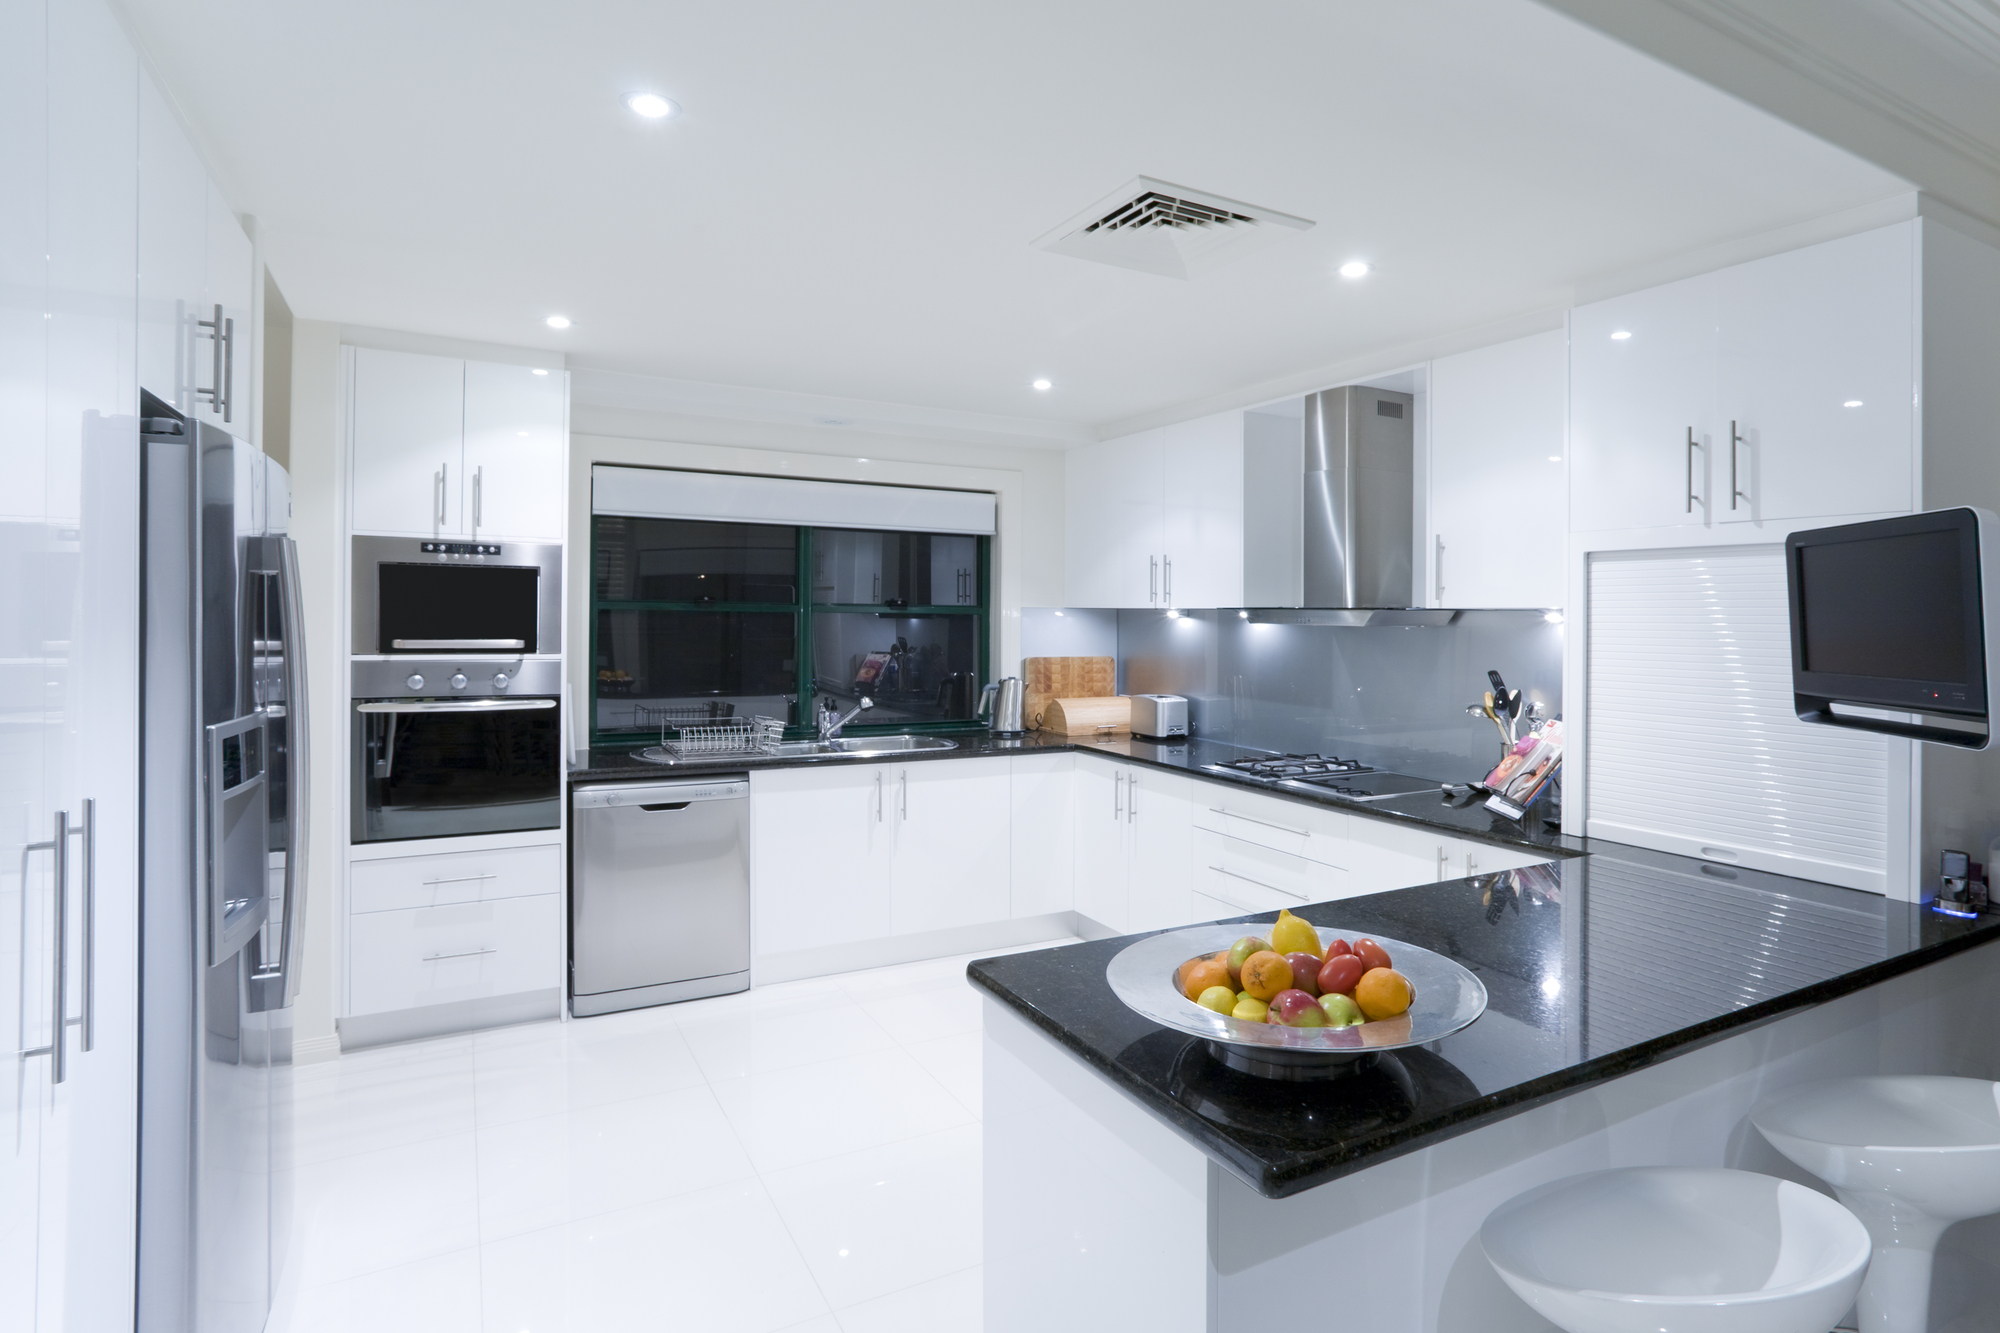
point(1000, 706)
point(1159, 715)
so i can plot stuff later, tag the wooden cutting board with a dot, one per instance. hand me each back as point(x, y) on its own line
point(1046, 678)
point(1088, 717)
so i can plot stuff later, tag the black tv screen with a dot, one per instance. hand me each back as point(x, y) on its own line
point(1889, 614)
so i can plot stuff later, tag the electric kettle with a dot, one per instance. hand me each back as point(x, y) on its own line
point(1000, 707)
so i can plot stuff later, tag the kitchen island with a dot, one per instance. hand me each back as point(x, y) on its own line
point(1637, 1010)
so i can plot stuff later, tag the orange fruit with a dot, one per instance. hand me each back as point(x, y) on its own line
point(1382, 992)
point(1265, 974)
point(1205, 972)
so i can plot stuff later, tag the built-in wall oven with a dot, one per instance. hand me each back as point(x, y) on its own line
point(414, 596)
point(445, 747)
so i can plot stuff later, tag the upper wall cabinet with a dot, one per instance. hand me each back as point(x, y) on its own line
point(1775, 390)
point(1155, 520)
point(197, 279)
point(1497, 475)
point(451, 448)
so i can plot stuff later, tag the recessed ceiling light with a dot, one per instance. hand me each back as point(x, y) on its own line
point(1058, 613)
point(557, 321)
point(1852, 402)
point(1354, 268)
point(1043, 385)
point(523, 434)
point(538, 372)
point(1555, 458)
point(651, 105)
point(1621, 335)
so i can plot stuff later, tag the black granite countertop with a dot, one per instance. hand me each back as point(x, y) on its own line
point(1634, 957)
point(1191, 757)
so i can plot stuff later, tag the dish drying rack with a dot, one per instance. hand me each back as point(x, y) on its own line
point(749, 735)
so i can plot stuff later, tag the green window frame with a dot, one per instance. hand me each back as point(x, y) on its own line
point(803, 608)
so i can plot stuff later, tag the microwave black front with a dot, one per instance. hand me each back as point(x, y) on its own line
point(431, 597)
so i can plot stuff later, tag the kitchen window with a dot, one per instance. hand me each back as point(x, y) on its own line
point(696, 621)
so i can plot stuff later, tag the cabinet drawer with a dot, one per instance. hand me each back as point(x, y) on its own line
point(462, 951)
point(1283, 826)
point(402, 882)
point(1256, 878)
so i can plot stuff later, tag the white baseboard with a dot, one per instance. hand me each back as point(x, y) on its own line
point(315, 1050)
point(827, 960)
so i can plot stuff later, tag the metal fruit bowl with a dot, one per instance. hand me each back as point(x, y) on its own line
point(1448, 998)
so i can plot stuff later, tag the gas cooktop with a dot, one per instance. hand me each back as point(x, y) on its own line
point(1347, 778)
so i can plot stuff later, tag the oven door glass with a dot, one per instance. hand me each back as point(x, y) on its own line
point(457, 608)
point(456, 771)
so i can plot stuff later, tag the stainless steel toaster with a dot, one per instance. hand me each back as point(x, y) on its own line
point(1159, 715)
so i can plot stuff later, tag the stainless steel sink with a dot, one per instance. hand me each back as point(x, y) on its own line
point(867, 745)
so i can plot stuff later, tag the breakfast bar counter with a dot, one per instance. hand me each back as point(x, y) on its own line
point(1639, 1004)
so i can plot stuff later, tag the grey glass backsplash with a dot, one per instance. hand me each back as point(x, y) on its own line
point(1389, 696)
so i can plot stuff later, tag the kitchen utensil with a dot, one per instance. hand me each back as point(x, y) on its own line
point(1448, 998)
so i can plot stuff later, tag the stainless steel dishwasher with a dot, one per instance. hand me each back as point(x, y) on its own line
point(659, 893)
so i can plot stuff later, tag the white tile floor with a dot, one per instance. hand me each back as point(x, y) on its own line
point(801, 1157)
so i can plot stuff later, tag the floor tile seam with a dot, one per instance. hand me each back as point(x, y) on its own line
point(893, 1045)
point(955, 1099)
point(797, 1248)
point(883, 1296)
point(300, 1161)
point(478, 1213)
point(856, 1152)
point(653, 1200)
point(306, 1291)
point(481, 1124)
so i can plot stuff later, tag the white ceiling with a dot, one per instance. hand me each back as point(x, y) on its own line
point(847, 205)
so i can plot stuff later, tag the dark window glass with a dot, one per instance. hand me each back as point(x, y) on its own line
point(427, 604)
point(438, 775)
point(915, 668)
point(694, 665)
point(855, 568)
point(680, 560)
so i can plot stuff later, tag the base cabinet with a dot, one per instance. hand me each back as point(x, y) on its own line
point(1042, 799)
point(951, 858)
point(819, 857)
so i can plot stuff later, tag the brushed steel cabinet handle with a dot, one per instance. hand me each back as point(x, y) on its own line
point(86, 832)
point(1444, 861)
point(1132, 799)
point(1735, 488)
point(437, 490)
point(903, 795)
point(478, 480)
point(1691, 447)
point(1153, 578)
point(228, 367)
point(463, 953)
point(222, 363)
point(878, 798)
point(1258, 882)
point(1167, 579)
point(457, 879)
point(1282, 828)
point(1438, 567)
point(1117, 796)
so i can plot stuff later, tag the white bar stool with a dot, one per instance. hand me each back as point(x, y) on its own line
point(1909, 1155)
point(1678, 1249)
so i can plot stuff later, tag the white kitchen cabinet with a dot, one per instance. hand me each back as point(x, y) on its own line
point(451, 448)
point(1800, 336)
point(225, 385)
point(1497, 475)
point(950, 863)
point(516, 433)
point(820, 844)
point(419, 956)
point(1102, 842)
point(398, 882)
point(173, 250)
point(1756, 364)
point(1155, 520)
point(1042, 802)
point(1158, 880)
point(408, 443)
point(1642, 386)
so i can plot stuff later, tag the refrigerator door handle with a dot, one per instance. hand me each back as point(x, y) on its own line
point(298, 805)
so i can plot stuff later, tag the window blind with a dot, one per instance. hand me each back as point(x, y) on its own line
point(644, 492)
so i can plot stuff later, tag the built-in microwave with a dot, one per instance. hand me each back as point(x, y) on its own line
point(419, 596)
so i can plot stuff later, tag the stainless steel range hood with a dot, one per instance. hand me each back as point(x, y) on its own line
point(1331, 509)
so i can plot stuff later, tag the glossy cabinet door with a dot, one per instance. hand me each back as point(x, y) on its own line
point(223, 369)
point(1115, 502)
point(819, 866)
point(953, 857)
point(408, 418)
point(1634, 399)
point(173, 251)
point(1497, 476)
point(1043, 804)
point(1158, 881)
point(516, 428)
point(1201, 539)
point(1802, 336)
point(1102, 841)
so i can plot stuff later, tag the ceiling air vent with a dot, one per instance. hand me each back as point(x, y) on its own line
point(1158, 227)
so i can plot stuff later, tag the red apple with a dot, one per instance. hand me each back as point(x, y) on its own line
point(1305, 972)
point(1296, 1009)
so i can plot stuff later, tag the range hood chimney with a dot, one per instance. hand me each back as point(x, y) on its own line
point(1338, 502)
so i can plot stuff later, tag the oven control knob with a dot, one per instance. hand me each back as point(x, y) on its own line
point(500, 679)
point(415, 682)
point(458, 680)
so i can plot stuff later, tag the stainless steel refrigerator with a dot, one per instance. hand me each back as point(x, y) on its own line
point(223, 838)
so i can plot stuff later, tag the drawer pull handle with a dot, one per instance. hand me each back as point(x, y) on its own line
point(457, 879)
point(1258, 882)
point(1282, 828)
point(467, 953)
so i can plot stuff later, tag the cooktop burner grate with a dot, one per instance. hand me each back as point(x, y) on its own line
point(1295, 766)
